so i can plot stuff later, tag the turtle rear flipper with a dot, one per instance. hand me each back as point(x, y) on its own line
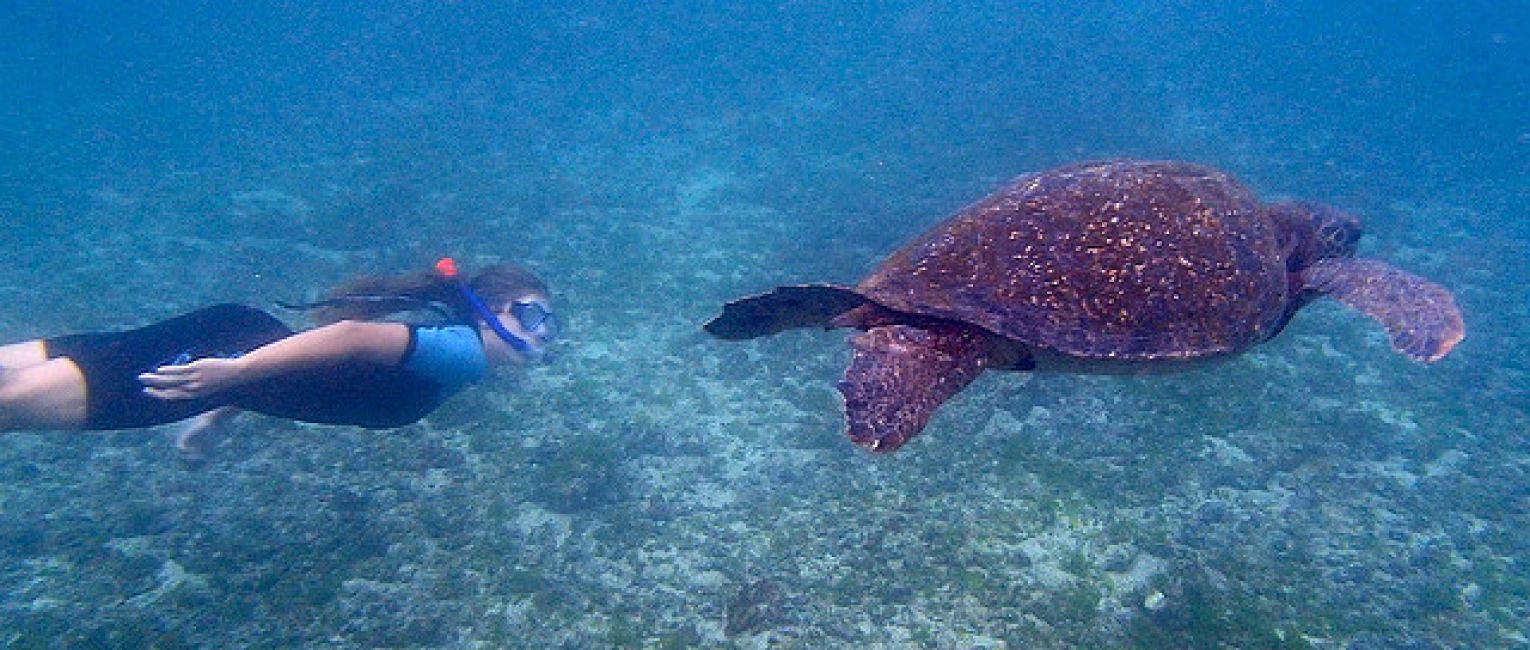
point(1420, 316)
point(782, 308)
point(900, 374)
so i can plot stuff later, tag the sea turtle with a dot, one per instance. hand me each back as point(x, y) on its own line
point(1107, 266)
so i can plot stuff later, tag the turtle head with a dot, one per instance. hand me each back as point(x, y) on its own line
point(1313, 231)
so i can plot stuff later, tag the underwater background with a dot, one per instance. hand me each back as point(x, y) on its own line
point(654, 488)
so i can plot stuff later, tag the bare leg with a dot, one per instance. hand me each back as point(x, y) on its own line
point(190, 433)
point(23, 355)
point(45, 395)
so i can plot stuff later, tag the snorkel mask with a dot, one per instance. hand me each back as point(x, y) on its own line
point(532, 316)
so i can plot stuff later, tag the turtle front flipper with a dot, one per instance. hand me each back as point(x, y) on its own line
point(900, 374)
point(1420, 316)
point(782, 308)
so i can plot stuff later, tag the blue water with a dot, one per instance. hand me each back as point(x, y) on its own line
point(655, 488)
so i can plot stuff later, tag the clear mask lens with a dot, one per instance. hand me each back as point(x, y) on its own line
point(536, 319)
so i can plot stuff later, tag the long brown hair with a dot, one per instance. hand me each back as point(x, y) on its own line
point(373, 297)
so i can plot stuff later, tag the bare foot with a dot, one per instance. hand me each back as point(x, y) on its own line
point(191, 433)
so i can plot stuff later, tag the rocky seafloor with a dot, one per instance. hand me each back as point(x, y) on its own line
point(653, 488)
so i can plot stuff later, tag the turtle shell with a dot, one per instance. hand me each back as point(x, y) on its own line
point(1129, 260)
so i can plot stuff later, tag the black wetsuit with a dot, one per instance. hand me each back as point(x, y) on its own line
point(364, 394)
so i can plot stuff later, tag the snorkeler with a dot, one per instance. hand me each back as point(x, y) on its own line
point(356, 368)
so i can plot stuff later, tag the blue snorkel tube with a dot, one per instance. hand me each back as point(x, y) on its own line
point(447, 268)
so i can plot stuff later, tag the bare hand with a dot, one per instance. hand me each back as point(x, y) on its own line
point(199, 378)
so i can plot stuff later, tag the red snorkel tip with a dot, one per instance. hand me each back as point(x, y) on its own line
point(447, 267)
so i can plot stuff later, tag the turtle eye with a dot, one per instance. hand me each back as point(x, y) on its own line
point(1336, 239)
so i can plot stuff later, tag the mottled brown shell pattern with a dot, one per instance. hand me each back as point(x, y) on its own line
point(1129, 260)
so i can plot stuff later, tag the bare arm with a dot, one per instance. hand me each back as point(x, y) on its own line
point(381, 343)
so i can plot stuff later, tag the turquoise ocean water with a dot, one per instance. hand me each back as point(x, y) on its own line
point(653, 488)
